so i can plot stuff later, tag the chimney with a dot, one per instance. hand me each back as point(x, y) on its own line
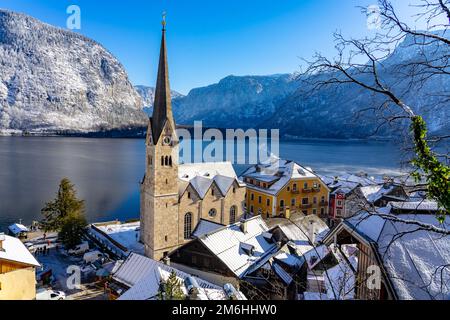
point(2, 239)
point(166, 261)
point(312, 236)
point(244, 226)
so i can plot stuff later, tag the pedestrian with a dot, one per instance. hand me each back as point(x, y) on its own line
point(45, 250)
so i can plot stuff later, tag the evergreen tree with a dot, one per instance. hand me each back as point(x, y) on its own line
point(65, 204)
point(171, 289)
point(72, 230)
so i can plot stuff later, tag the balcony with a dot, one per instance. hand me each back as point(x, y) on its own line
point(307, 190)
point(315, 190)
point(295, 191)
point(306, 206)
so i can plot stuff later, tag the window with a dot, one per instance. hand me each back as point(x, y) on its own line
point(166, 238)
point(339, 202)
point(268, 202)
point(282, 203)
point(288, 188)
point(234, 190)
point(305, 201)
point(315, 211)
point(150, 161)
point(259, 199)
point(305, 185)
point(293, 202)
point(162, 161)
point(252, 196)
point(170, 161)
point(322, 211)
point(189, 195)
point(233, 214)
point(212, 191)
point(294, 187)
point(166, 161)
point(251, 209)
point(315, 200)
point(187, 226)
point(315, 185)
point(323, 199)
point(212, 213)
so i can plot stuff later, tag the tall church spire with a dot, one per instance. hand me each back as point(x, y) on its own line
point(162, 110)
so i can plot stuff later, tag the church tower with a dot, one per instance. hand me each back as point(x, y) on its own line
point(159, 188)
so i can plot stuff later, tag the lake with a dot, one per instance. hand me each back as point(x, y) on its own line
point(107, 172)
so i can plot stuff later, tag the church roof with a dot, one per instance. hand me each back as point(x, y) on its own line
point(201, 176)
point(162, 110)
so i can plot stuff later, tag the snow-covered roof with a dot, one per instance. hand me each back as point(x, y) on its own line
point(367, 224)
point(315, 255)
point(226, 243)
point(202, 175)
point(341, 280)
point(278, 171)
point(376, 192)
point(14, 250)
point(204, 227)
point(415, 206)
point(205, 169)
point(126, 234)
point(143, 275)
point(17, 228)
point(417, 261)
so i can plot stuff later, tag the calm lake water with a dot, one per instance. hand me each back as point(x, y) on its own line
point(107, 172)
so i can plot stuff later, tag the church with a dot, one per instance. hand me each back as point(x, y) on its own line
point(177, 198)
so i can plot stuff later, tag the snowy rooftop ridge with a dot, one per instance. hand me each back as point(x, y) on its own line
point(143, 275)
point(15, 251)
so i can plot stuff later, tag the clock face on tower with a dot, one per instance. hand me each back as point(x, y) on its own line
point(167, 141)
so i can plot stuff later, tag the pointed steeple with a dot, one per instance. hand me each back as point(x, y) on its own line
point(162, 110)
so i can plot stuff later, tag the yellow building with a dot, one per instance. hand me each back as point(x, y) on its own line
point(280, 188)
point(17, 270)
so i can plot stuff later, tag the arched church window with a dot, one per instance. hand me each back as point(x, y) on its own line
point(187, 226)
point(233, 214)
point(166, 161)
point(170, 161)
point(162, 160)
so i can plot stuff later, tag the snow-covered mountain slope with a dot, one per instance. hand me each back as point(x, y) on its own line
point(235, 101)
point(148, 97)
point(280, 102)
point(52, 79)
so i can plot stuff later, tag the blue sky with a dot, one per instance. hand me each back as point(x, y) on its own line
point(208, 40)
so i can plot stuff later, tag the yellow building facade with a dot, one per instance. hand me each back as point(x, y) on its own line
point(17, 270)
point(282, 188)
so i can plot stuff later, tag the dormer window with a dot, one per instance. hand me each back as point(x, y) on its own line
point(248, 249)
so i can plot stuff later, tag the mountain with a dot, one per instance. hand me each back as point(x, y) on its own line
point(52, 79)
point(282, 102)
point(148, 97)
point(235, 101)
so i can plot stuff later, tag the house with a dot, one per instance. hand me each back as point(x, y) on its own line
point(245, 254)
point(176, 197)
point(18, 230)
point(139, 278)
point(343, 191)
point(17, 270)
point(278, 188)
point(380, 195)
point(396, 258)
point(422, 207)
